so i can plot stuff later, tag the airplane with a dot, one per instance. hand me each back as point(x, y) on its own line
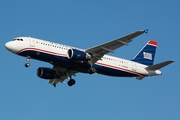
point(67, 61)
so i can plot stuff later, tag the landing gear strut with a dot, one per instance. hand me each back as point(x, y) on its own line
point(27, 61)
point(92, 69)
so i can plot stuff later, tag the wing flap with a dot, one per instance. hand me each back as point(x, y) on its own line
point(100, 50)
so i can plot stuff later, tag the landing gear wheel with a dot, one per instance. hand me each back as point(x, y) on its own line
point(27, 65)
point(27, 61)
point(92, 70)
point(71, 82)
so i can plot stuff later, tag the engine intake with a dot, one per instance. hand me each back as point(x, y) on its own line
point(46, 73)
point(78, 55)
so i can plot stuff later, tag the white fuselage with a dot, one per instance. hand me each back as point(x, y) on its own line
point(22, 45)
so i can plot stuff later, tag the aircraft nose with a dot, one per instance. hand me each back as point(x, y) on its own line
point(11, 46)
point(7, 45)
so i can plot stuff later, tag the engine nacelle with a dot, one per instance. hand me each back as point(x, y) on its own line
point(46, 73)
point(78, 55)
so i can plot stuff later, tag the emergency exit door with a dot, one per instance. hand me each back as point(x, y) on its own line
point(133, 66)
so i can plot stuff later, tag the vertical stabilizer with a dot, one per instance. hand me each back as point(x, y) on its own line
point(146, 54)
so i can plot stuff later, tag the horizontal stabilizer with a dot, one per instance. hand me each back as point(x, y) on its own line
point(159, 65)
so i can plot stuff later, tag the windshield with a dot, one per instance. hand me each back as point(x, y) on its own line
point(18, 39)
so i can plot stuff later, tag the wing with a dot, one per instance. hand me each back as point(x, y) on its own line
point(63, 75)
point(100, 50)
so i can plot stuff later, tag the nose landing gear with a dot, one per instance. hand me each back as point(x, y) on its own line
point(27, 61)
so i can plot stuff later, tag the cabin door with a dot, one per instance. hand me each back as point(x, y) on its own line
point(31, 42)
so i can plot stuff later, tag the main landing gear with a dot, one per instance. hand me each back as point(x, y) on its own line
point(92, 70)
point(71, 81)
point(27, 61)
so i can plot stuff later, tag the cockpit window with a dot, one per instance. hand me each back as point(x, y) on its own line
point(18, 39)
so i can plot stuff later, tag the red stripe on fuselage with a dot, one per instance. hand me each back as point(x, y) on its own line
point(119, 68)
point(64, 55)
point(40, 50)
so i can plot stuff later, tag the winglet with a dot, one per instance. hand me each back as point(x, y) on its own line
point(146, 31)
point(159, 65)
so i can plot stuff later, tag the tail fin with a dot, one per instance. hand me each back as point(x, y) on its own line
point(146, 54)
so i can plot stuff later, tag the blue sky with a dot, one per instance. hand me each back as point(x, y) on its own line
point(85, 24)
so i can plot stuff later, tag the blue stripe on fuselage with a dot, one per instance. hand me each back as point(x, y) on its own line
point(66, 63)
point(112, 72)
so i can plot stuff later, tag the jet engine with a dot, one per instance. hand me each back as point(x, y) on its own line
point(46, 73)
point(78, 55)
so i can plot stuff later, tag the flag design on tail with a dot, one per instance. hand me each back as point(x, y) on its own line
point(147, 54)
